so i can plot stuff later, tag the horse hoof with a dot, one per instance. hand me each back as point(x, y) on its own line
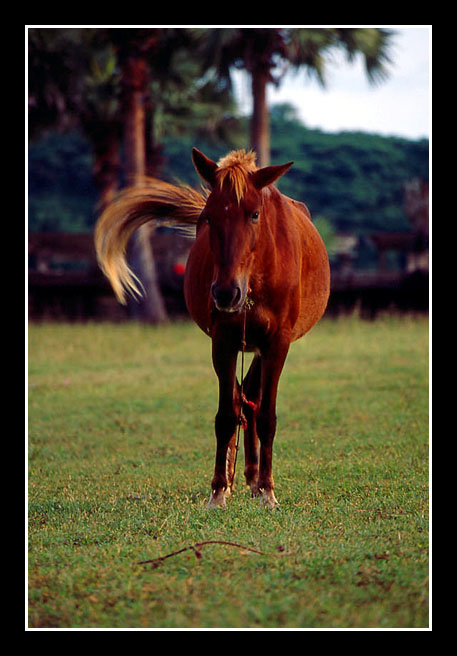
point(216, 500)
point(268, 499)
point(255, 492)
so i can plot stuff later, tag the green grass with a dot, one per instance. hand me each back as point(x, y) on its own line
point(121, 451)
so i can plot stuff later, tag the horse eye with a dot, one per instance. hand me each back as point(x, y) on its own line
point(255, 217)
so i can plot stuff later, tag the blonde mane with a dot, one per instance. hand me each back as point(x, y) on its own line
point(236, 167)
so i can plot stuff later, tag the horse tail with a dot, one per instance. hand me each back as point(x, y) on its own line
point(133, 207)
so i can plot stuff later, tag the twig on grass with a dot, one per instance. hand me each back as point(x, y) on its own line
point(195, 548)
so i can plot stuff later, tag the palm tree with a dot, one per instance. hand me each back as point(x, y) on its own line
point(132, 48)
point(159, 60)
point(268, 53)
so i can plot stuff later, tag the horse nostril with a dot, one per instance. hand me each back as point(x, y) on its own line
point(226, 297)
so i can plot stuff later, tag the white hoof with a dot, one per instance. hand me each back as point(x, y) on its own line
point(218, 499)
point(268, 499)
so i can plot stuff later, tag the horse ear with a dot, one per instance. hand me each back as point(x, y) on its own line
point(266, 176)
point(206, 168)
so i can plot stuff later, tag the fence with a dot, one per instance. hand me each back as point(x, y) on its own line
point(66, 284)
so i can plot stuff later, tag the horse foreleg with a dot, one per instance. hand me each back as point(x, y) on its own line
point(272, 365)
point(224, 361)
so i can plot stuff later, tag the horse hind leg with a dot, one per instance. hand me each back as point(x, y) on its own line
point(272, 364)
point(230, 463)
point(251, 390)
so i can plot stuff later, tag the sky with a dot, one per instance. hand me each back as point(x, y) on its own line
point(398, 106)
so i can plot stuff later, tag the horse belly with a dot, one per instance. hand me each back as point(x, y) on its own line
point(314, 283)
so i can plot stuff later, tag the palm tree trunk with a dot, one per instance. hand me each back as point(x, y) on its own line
point(107, 162)
point(151, 307)
point(260, 121)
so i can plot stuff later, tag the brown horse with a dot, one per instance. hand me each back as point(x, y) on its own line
point(257, 278)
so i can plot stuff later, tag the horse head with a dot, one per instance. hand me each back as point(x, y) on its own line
point(235, 216)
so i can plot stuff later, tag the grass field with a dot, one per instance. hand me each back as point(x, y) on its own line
point(121, 451)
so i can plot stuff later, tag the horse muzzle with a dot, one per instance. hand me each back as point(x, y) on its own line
point(228, 298)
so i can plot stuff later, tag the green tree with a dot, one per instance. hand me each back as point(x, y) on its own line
point(73, 84)
point(111, 83)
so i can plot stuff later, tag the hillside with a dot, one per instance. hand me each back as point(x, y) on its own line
point(355, 180)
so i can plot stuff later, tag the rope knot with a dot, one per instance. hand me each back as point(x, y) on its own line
point(251, 404)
